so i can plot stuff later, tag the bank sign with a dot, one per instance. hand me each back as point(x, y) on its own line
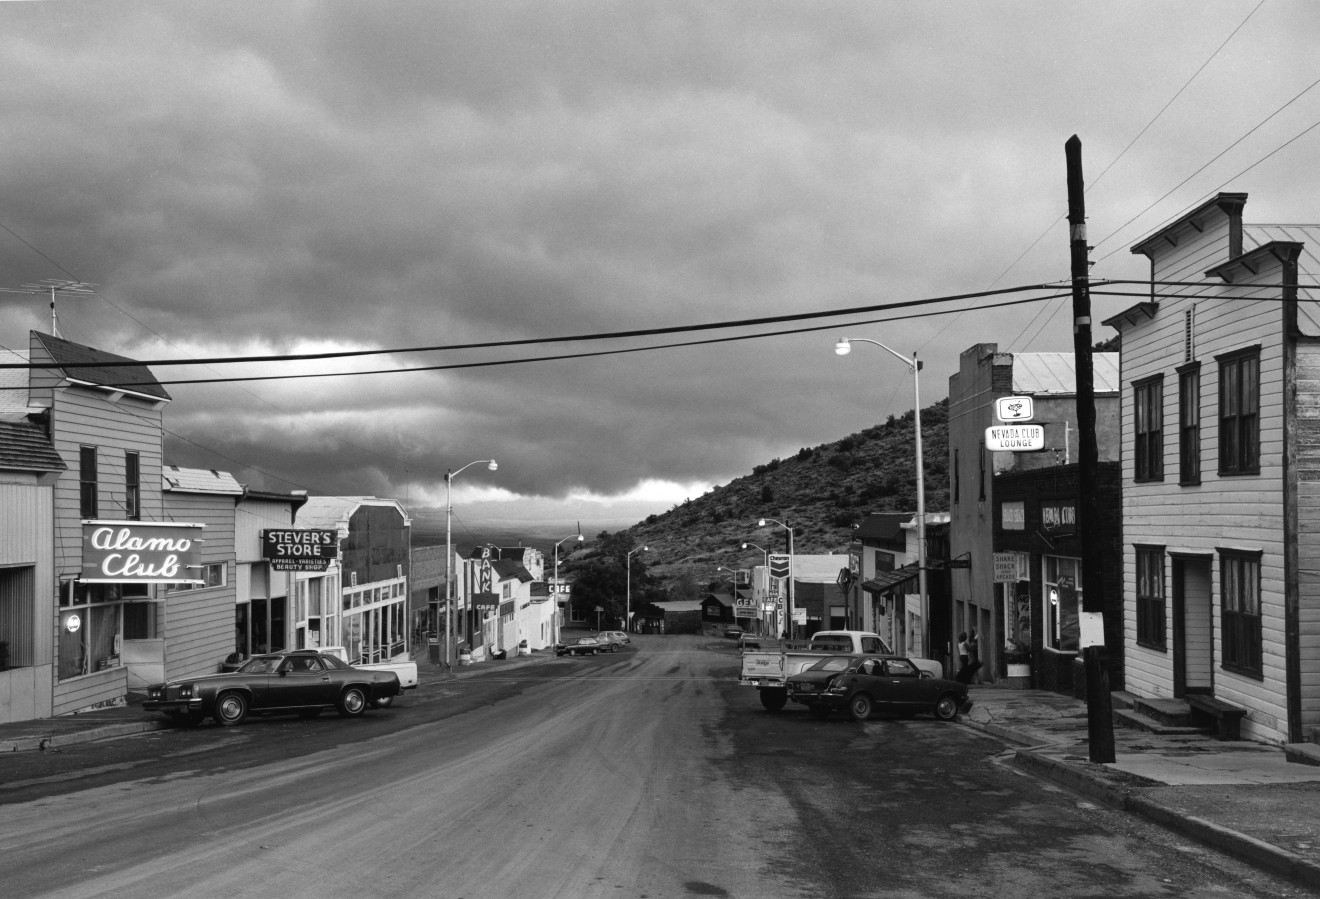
point(141, 552)
point(299, 549)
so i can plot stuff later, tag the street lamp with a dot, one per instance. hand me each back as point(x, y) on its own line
point(449, 554)
point(765, 553)
point(762, 523)
point(842, 348)
point(627, 563)
point(554, 621)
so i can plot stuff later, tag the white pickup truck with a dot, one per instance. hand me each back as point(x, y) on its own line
point(769, 668)
point(405, 669)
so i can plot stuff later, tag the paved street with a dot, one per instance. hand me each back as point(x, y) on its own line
point(646, 774)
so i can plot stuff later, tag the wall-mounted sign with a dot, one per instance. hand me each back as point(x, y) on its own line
point(1015, 438)
point(141, 552)
point(1006, 568)
point(299, 549)
point(1014, 408)
point(1013, 516)
point(1059, 516)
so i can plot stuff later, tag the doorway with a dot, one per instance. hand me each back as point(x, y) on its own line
point(1193, 625)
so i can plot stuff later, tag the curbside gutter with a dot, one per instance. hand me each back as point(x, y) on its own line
point(1265, 856)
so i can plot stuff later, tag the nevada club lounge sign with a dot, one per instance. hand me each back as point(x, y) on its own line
point(141, 552)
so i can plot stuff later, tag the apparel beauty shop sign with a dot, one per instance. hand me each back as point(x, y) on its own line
point(141, 552)
point(299, 549)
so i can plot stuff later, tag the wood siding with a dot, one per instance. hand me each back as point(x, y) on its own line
point(1306, 438)
point(199, 624)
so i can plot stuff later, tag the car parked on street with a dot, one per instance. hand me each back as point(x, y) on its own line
point(862, 684)
point(733, 632)
point(613, 640)
point(304, 681)
point(578, 646)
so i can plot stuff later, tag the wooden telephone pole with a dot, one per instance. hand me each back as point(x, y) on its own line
point(1099, 705)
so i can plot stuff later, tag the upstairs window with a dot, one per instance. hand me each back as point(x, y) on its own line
point(1147, 429)
point(1189, 425)
point(1239, 414)
point(132, 486)
point(87, 484)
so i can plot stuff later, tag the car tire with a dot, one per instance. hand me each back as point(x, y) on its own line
point(614, 647)
point(774, 700)
point(860, 707)
point(383, 703)
point(946, 707)
point(352, 702)
point(230, 709)
point(818, 711)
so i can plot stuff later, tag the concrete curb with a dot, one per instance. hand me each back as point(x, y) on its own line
point(1265, 856)
point(54, 740)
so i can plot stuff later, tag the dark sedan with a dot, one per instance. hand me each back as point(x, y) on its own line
point(862, 684)
point(580, 646)
point(302, 681)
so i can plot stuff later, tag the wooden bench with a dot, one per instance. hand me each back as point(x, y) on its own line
point(1228, 718)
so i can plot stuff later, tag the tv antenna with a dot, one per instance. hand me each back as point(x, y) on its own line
point(54, 286)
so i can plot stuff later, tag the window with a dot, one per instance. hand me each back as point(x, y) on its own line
point(1063, 597)
point(884, 561)
point(1189, 425)
point(91, 627)
point(1147, 430)
point(1239, 414)
point(132, 486)
point(1150, 596)
point(1239, 582)
point(957, 477)
point(211, 575)
point(87, 486)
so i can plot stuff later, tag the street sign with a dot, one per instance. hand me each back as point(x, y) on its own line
point(1014, 408)
point(1015, 438)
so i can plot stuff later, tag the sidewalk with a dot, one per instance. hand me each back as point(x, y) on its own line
point(1246, 799)
point(1243, 798)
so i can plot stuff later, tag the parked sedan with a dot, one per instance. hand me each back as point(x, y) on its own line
point(578, 646)
point(612, 640)
point(862, 684)
point(303, 681)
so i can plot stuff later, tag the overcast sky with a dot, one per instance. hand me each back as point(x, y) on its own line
point(252, 178)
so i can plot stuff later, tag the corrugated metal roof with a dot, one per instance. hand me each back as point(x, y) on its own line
point(24, 446)
point(1042, 374)
point(327, 511)
point(199, 480)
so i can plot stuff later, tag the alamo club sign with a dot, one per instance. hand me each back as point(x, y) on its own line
point(141, 552)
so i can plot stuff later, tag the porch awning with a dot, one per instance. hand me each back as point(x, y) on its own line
point(885, 581)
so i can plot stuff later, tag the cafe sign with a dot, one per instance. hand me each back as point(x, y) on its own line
point(299, 549)
point(141, 552)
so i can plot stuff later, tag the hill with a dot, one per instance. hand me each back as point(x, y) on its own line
point(821, 492)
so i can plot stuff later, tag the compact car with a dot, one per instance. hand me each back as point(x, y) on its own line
point(861, 684)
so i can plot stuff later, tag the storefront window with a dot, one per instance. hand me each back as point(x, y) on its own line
point(1063, 597)
point(92, 625)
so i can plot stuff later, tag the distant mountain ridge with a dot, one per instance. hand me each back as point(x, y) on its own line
point(821, 492)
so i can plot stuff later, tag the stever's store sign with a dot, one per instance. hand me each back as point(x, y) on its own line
point(141, 552)
point(298, 549)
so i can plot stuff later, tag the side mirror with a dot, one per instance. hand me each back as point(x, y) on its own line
point(926, 675)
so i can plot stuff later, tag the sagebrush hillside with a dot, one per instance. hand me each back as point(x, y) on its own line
point(821, 492)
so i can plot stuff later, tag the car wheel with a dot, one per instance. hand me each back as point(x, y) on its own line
point(860, 707)
point(819, 712)
point(352, 703)
point(946, 707)
point(774, 700)
point(230, 709)
point(383, 703)
point(614, 647)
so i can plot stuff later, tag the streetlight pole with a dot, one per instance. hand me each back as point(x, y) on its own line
point(842, 348)
point(449, 555)
point(791, 566)
point(733, 590)
point(627, 563)
point(765, 561)
point(554, 621)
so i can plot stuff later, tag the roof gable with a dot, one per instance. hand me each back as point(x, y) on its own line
point(93, 366)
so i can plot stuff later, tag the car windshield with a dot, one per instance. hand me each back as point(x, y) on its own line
point(833, 663)
point(260, 665)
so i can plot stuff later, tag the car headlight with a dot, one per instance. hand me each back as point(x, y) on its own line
point(186, 691)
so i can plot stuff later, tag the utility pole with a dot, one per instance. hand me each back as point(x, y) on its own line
point(1099, 709)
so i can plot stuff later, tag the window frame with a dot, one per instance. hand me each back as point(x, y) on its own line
point(1241, 641)
point(132, 485)
point(88, 483)
point(1148, 429)
point(1239, 427)
point(1189, 425)
point(1152, 597)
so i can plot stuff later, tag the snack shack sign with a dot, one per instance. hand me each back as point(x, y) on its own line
point(299, 549)
point(141, 552)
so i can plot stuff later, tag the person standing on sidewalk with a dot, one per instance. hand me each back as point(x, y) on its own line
point(973, 658)
point(962, 657)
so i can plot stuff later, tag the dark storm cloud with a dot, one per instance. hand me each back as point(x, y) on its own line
point(253, 177)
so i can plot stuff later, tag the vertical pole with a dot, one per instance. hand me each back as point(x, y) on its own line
point(449, 568)
point(1099, 711)
point(921, 512)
